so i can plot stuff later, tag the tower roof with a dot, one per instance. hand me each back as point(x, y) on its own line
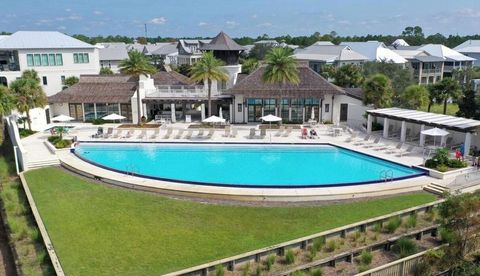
point(222, 42)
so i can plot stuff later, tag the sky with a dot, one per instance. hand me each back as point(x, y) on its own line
point(189, 18)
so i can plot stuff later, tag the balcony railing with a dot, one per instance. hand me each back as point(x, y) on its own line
point(9, 67)
point(180, 91)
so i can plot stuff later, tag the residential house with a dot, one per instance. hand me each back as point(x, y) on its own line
point(375, 51)
point(55, 56)
point(111, 54)
point(470, 48)
point(322, 53)
point(189, 50)
point(452, 59)
point(168, 53)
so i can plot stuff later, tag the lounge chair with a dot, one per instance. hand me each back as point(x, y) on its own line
point(352, 137)
point(252, 133)
point(363, 141)
point(280, 131)
point(287, 132)
point(227, 132)
point(168, 134)
point(109, 133)
point(263, 133)
point(210, 133)
point(118, 134)
point(189, 133)
point(179, 133)
point(142, 134)
point(200, 133)
point(155, 133)
point(234, 132)
point(407, 151)
point(373, 144)
point(129, 133)
point(394, 149)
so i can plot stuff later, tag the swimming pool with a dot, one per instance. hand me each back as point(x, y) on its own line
point(280, 166)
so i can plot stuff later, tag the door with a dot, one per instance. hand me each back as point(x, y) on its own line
point(76, 111)
point(343, 112)
point(47, 115)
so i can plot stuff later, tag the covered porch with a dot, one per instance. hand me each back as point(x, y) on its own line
point(407, 126)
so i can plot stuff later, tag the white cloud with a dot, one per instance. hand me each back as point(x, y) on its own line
point(470, 13)
point(60, 18)
point(266, 24)
point(344, 22)
point(202, 24)
point(68, 10)
point(158, 20)
point(97, 12)
point(74, 17)
point(231, 24)
point(254, 16)
point(43, 22)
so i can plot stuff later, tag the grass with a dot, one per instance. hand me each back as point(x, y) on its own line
point(26, 239)
point(452, 108)
point(98, 229)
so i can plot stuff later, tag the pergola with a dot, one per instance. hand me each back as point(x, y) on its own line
point(459, 124)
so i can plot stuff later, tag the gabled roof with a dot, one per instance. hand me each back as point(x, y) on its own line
point(222, 42)
point(168, 49)
point(113, 53)
point(42, 40)
point(375, 51)
point(328, 53)
point(311, 85)
point(185, 44)
point(469, 46)
point(399, 42)
point(171, 78)
point(442, 51)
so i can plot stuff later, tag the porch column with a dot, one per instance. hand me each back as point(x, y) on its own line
point(369, 123)
point(303, 114)
point(443, 139)
point(230, 112)
point(422, 136)
point(385, 127)
point(276, 111)
point(467, 144)
point(403, 131)
point(289, 113)
point(95, 110)
point(263, 111)
point(172, 111)
point(202, 111)
point(119, 109)
point(83, 112)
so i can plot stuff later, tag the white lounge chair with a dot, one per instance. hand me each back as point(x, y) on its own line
point(407, 151)
point(394, 149)
point(143, 134)
point(373, 144)
point(130, 133)
point(189, 133)
point(109, 133)
point(200, 133)
point(168, 134)
point(280, 131)
point(155, 133)
point(352, 137)
point(227, 132)
point(210, 133)
point(252, 133)
point(287, 132)
point(234, 132)
point(118, 134)
point(179, 133)
point(263, 133)
point(363, 141)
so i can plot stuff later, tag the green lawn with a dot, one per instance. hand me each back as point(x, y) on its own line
point(99, 230)
point(452, 108)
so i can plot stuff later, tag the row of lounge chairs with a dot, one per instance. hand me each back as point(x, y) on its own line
point(374, 142)
point(281, 132)
point(148, 134)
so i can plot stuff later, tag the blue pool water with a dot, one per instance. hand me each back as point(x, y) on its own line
point(244, 165)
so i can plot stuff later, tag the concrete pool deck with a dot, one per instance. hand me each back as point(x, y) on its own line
point(83, 132)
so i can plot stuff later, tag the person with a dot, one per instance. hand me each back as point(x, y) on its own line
point(458, 154)
point(462, 151)
point(304, 133)
point(313, 134)
point(474, 161)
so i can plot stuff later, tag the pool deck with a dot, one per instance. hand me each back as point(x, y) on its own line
point(84, 131)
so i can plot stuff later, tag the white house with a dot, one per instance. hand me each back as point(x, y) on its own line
point(375, 51)
point(470, 48)
point(55, 56)
point(453, 59)
point(111, 54)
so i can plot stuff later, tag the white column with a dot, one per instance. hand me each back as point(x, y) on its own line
point(230, 112)
point(202, 111)
point(263, 111)
point(95, 110)
point(467, 144)
point(369, 123)
point(83, 111)
point(276, 111)
point(422, 136)
point(385, 128)
point(303, 114)
point(403, 131)
point(119, 109)
point(442, 141)
point(289, 113)
point(172, 108)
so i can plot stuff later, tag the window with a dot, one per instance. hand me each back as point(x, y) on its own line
point(62, 79)
point(58, 59)
point(89, 109)
point(85, 58)
point(75, 58)
point(239, 107)
point(44, 60)
point(29, 59)
point(327, 108)
point(44, 80)
point(51, 59)
point(80, 58)
point(36, 60)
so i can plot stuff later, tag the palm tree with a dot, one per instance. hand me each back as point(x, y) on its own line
point(31, 74)
point(378, 91)
point(249, 65)
point(208, 69)
point(136, 65)
point(6, 105)
point(281, 69)
point(28, 95)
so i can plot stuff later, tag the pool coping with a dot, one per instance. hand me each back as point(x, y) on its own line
point(423, 172)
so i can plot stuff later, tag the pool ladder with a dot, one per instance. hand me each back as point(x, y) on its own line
point(386, 175)
point(131, 169)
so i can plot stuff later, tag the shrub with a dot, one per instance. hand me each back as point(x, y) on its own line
point(366, 257)
point(318, 243)
point(392, 224)
point(258, 271)
point(431, 163)
point(377, 227)
point(442, 168)
point(363, 268)
point(24, 132)
point(289, 257)
point(331, 245)
point(454, 163)
point(316, 272)
point(246, 269)
point(355, 236)
point(404, 247)
point(270, 261)
point(312, 252)
point(53, 139)
point(219, 270)
point(421, 269)
point(411, 221)
point(430, 215)
point(446, 236)
point(61, 144)
point(441, 156)
point(98, 121)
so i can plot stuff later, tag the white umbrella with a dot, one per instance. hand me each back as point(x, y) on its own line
point(220, 112)
point(270, 118)
point(214, 119)
point(62, 118)
point(113, 117)
point(435, 132)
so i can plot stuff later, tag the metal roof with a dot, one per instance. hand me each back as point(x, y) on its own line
point(426, 118)
point(42, 40)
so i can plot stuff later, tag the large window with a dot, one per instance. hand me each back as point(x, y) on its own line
point(254, 109)
point(269, 106)
point(58, 59)
point(29, 59)
point(81, 58)
point(51, 59)
point(89, 109)
point(297, 110)
point(44, 60)
point(285, 106)
point(36, 60)
point(126, 111)
point(101, 110)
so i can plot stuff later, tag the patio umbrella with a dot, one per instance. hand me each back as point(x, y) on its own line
point(435, 132)
point(220, 114)
point(270, 118)
point(62, 118)
point(113, 117)
point(214, 119)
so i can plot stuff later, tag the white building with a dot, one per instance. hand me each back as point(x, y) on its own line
point(375, 51)
point(111, 54)
point(470, 48)
point(55, 56)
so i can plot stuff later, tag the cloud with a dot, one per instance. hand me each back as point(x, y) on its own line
point(343, 22)
point(62, 28)
point(231, 24)
point(158, 20)
point(97, 12)
point(60, 18)
point(254, 16)
point(201, 24)
point(266, 24)
point(74, 17)
point(68, 10)
point(43, 22)
point(470, 13)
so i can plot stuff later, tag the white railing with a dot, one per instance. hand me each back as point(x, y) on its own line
point(180, 91)
point(20, 152)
